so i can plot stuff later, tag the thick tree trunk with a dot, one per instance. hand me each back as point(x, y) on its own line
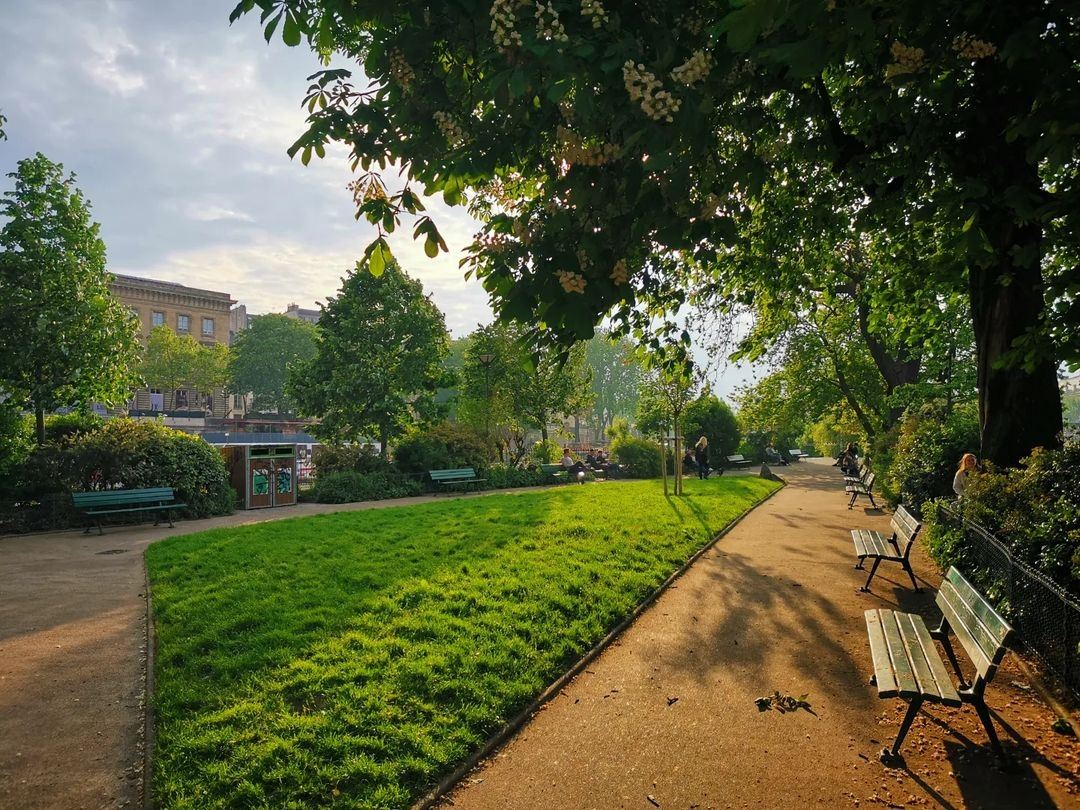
point(896, 369)
point(384, 441)
point(1019, 408)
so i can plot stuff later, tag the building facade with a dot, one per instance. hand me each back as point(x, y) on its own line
point(309, 315)
point(204, 315)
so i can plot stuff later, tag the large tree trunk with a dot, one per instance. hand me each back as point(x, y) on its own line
point(897, 369)
point(1019, 409)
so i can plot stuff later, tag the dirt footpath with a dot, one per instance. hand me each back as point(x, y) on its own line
point(73, 660)
point(666, 718)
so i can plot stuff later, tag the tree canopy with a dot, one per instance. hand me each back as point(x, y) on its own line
point(616, 378)
point(67, 340)
point(610, 150)
point(262, 355)
point(378, 359)
point(171, 362)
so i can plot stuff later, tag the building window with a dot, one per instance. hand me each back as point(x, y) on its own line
point(208, 326)
point(158, 319)
point(183, 323)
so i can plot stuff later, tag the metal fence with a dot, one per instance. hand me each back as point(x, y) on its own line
point(1045, 616)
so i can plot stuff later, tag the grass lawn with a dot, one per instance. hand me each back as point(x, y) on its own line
point(350, 660)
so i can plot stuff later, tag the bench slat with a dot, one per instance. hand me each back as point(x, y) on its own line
point(959, 619)
point(152, 508)
point(995, 624)
point(906, 684)
point(879, 651)
point(937, 678)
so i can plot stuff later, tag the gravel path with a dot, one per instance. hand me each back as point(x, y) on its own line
point(666, 716)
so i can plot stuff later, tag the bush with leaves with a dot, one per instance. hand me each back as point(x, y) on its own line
point(547, 452)
point(929, 444)
point(349, 486)
point(361, 458)
point(640, 457)
point(131, 454)
point(712, 418)
point(502, 476)
point(1033, 509)
point(449, 445)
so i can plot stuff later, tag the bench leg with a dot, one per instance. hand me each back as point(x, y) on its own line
point(873, 570)
point(862, 560)
point(988, 724)
point(873, 503)
point(910, 573)
point(942, 635)
point(913, 709)
point(851, 502)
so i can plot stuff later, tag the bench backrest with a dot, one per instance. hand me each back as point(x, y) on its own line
point(116, 497)
point(980, 629)
point(905, 529)
point(734, 459)
point(868, 482)
point(795, 451)
point(552, 468)
point(452, 475)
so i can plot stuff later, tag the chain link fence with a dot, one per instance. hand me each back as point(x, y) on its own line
point(1045, 616)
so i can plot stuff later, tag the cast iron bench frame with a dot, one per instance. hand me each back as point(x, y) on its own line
point(907, 664)
point(796, 454)
point(97, 504)
point(876, 546)
point(738, 461)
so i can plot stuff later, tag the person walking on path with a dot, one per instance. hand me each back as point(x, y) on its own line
point(701, 456)
point(967, 464)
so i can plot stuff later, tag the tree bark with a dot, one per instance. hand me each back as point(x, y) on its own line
point(1019, 408)
point(895, 369)
point(39, 418)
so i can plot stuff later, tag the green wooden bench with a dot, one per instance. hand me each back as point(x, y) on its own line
point(96, 505)
point(738, 461)
point(860, 476)
point(864, 488)
point(907, 664)
point(461, 477)
point(796, 454)
point(897, 548)
point(557, 471)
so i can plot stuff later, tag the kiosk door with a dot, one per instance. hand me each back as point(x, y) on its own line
point(260, 479)
point(284, 481)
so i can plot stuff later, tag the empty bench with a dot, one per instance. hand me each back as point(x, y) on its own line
point(796, 454)
point(738, 461)
point(864, 488)
point(460, 477)
point(98, 505)
point(907, 664)
point(897, 548)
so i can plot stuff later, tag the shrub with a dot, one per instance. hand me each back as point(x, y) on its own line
point(362, 458)
point(445, 446)
point(501, 476)
point(60, 426)
point(1034, 510)
point(349, 486)
point(928, 447)
point(130, 454)
point(640, 457)
point(547, 452)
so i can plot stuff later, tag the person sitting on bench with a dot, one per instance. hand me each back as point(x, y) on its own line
point(689, 464)
point(569, 464)
point(772, 455)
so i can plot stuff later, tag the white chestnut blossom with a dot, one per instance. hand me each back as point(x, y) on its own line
point(644, 88)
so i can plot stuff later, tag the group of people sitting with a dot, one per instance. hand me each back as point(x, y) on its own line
point(595, 460)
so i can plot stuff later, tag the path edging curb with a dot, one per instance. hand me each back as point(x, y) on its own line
point(500, 737)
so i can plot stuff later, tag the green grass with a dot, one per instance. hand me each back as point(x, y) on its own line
point(351, 660)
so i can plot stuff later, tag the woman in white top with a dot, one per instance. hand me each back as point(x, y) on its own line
point(967, 464)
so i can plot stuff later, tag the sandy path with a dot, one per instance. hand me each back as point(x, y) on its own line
point(666, 716)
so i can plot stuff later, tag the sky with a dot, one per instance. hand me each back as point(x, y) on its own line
point(176, 125)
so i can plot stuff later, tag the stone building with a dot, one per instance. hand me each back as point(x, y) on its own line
point(309, 315)
point(204, 315)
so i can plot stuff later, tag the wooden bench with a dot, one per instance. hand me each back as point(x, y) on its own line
point(96, 505)
point(897, 548)
point(795, 454)
point(556, 471)
point(462, 477)
point(864, 470)
point(907, 664)
point(738, 461)
point(864, 488)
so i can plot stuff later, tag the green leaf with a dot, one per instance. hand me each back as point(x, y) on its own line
point(268, 32)
point(291, 33)
point(431, 248)
point(378, 254)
